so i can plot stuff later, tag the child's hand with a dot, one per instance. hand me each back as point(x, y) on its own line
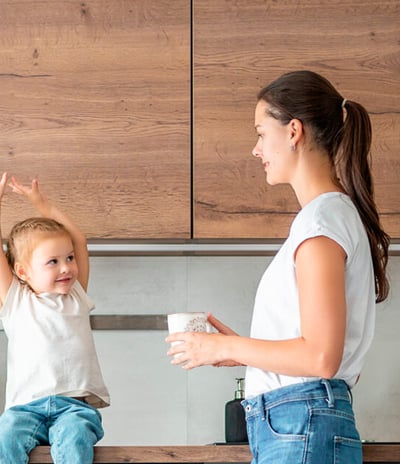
point(32, 193)
point(3, 184)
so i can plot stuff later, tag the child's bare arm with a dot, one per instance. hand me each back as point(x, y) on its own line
point(48, 209)
point(5, 271)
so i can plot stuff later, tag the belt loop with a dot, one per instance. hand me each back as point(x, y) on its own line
point(262, 407)
point(350, 394)
point(329, 391)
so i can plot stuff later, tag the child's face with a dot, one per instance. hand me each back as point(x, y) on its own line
point(52, 267)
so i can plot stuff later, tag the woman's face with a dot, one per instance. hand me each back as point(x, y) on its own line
point(273, 146)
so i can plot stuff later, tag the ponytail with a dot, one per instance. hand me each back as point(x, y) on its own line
point(352, 163)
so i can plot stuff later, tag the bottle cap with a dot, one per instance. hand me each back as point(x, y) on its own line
point(239, 392)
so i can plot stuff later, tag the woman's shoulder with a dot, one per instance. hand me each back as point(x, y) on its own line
point(332, 207)
point(332, 215)
point(328, 201)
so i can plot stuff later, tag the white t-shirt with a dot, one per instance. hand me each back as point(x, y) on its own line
point(276, 313)
point(51, 349)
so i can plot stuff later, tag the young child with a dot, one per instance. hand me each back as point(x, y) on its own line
point(54, 382)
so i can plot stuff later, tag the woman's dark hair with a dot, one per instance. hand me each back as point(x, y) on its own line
point(342, 129)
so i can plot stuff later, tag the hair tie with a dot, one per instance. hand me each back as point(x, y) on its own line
point(344, 102)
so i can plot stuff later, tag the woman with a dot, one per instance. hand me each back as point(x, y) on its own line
point(314, 311)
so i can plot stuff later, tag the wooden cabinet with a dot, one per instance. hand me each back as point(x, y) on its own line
point(137, 116)
point(95, 102)
point(239, 47)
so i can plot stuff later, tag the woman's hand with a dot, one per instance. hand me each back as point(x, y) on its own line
point(195, 349)
point(222, 328)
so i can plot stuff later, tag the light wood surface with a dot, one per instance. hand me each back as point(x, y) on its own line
point(379, 452)
point(158, 454)
point(95, 102)
point(239, 48)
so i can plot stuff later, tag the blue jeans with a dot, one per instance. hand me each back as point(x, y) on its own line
point(307, 423)
point(70, 426)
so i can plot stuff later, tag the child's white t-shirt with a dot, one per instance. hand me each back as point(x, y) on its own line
point(276, 313)
point(51, 349)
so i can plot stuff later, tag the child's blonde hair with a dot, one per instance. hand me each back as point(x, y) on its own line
point(25, 235)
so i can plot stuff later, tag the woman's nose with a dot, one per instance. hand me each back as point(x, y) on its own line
point(256, 152)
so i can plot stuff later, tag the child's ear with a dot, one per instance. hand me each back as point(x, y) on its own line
point(20, 271)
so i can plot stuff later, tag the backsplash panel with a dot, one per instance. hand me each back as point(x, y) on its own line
point(153, 402)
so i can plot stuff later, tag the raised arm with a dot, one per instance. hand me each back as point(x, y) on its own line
point(49, 210)
point(5, 271)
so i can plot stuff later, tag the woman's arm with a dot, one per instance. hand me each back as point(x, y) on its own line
point(320, 272)
point(49, 210)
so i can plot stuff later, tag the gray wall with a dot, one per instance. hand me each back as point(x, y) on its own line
point(154, 402)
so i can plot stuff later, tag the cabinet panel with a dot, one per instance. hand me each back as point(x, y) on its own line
point(95, 102)
point(239, 47)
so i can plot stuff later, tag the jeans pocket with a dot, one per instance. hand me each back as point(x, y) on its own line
point(347, 451)
point(288, 421)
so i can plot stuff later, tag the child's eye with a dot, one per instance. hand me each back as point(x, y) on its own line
point(52, 261)
point(70, 258)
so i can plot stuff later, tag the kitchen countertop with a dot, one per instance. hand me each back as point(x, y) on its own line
point(216, 453)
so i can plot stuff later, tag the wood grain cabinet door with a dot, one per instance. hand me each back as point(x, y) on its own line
point(239, 47)
point(95, 102)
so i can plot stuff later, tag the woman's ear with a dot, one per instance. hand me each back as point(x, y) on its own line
point(295, 131)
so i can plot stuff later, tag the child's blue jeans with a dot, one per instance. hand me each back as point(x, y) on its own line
point(70, 426)
point(307, 423)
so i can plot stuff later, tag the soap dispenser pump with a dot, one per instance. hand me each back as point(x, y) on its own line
point(235, 419)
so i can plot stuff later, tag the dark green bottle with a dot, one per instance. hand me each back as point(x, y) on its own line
point(235, 419)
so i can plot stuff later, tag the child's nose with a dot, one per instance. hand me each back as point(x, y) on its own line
point(64, 267)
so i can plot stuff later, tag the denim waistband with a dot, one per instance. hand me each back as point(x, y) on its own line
point(331, 390)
